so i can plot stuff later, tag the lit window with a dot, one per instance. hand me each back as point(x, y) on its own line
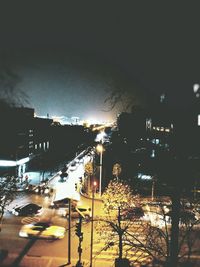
point(148, 123)
point(156, 141)
point(153, 154)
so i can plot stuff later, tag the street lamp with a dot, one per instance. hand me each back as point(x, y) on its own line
point(92, 222)
point(100, 150)
point(153, 187)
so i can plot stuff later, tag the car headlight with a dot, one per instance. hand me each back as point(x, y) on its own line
point(23, 234)
point(59, 234)
point(46, 191)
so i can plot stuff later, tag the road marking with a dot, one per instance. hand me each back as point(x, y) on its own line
point(28, 220)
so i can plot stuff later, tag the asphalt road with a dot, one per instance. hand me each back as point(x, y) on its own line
point(48, 249)
point(10, 240)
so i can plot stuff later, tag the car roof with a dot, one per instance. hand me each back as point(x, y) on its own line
point(27, 204)
point(82, 207)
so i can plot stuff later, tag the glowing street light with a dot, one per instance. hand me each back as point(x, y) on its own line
point(99, 149)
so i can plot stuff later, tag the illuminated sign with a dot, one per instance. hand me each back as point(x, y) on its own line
point(12, 163)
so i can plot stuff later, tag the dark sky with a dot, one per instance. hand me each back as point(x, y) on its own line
point(67, 54)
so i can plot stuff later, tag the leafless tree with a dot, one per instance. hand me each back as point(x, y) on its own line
point(156, 236)
point(10, 92)
point(148, 238)
point(7, 193)
point(118, 200)
point(125, 92)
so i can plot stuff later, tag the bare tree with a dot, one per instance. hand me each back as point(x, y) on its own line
point(7, 193)
point(10, 93)
point(157, 236)
point(125, 92)
point(148, 238)
point(118, 199)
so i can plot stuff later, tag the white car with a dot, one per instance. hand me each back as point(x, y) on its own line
point(42, 230)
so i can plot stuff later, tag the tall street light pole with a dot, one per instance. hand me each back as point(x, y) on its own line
point(92, 222)
point(100, 177)
point(69, 234)
point(100, 150)
point(153, 188)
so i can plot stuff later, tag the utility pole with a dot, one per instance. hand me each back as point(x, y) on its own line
point(69, 233)
point(101, 162)
point(153, 188)
point(100, 150)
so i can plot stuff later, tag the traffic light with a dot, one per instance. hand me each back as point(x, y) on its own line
point(78, 230)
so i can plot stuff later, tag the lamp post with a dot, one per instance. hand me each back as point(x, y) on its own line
point(153, 188)
point(100, 150)
point(69, 233)
point(92, 222)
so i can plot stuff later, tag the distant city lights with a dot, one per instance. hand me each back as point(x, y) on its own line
point(74, 120)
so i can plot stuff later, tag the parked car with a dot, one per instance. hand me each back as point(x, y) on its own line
point(132, 213)
point(83, 211)
point(42, 230)
point(27, 209)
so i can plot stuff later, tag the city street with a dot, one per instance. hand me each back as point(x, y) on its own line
point(11, 241)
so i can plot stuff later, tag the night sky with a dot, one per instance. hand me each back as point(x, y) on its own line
point(67, 55)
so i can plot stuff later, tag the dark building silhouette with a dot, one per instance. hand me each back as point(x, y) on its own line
point(28, 142)
point(22, 136)
point(158, 134)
